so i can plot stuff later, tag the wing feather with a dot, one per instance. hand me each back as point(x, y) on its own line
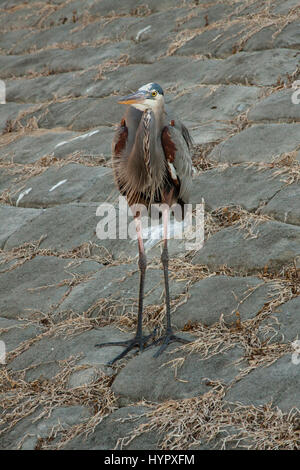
point(120, 138)
point(118, 147)
point(177, 143)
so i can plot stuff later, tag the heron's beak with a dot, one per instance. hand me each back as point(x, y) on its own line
point(138, 97)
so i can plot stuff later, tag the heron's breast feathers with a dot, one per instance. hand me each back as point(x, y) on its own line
point(146, 141)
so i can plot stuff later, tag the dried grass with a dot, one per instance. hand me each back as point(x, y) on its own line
point(110, 65)
point(22, 399)
point(23, 172)
point(288, 278)
point(182, 424)
point(234, 216)
point(201, 153)
point(29, 250)
point(220, 338)
point(183, 270)
point(173, 420)
point(254, 335)
point(285, 164)
point(282, 83)
point(195, 422)
point(16, 125)
point(250, 24)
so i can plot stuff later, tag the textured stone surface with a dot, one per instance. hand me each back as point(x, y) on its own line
point(116, 426)
point(206, 132)
point(284, 206)
point(33, 432)
point(129, 77)
point(12, 218)
point(258, 143)
point(228, 71)
point(288, 37)
point(213, 42)
point(60, 226)
point(67, 226)
point(287, 323)
point(285, 7)
point(239, 186)
point(54, 61)
point(118, 283)
point(254, 68)
point(278, 383)
point(63, 185)
point(43, 357)
point(37, 285)
point(78, 115)
point(245, 295)
point(44, 143)
point(146, 377)
point(218, 104)
point(14, 332)
point(94, 143)
point(276, 244)
point(9, 113)
point(49, 87)
point(277, 107)
point(221, 42)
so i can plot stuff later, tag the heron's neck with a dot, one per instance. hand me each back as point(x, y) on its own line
point(156, 115)
point(159, 115)
point(144, 165)
point(151, 145)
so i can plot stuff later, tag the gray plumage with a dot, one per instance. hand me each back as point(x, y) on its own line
point(142, 175)
point(152, 164)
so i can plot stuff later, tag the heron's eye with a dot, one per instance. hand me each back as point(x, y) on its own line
point(154, 93)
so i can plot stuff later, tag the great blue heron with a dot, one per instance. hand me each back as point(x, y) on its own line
point(152, 164)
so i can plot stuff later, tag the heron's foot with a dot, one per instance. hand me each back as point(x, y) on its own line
point(139, 341)
point(167, 339)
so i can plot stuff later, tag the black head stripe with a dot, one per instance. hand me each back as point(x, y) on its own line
point(158, 88)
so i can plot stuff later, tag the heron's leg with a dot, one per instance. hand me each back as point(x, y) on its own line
point(168, 337)
point(165, 263)
point(142, 267)
point(139, 340)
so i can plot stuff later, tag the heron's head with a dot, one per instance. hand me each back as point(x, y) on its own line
point(148, 96)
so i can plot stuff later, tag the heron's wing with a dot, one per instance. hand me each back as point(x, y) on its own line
point(125, 133)
point(128, 167)
point(120, 138)
point(177, 143)
point(172, 119)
